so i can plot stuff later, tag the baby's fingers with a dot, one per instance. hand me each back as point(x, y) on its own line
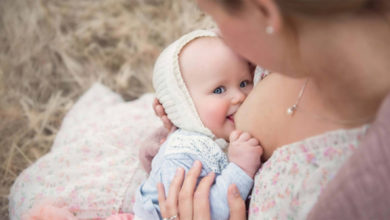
point(253, 142)
point(234, 135)
point(244, 136)
point(258, 150)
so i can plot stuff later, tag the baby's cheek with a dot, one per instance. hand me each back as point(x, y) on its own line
point(215, 117)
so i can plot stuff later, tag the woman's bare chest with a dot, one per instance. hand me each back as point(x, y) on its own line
point(264, 114)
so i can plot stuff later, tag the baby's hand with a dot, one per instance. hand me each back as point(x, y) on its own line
point(245, 151)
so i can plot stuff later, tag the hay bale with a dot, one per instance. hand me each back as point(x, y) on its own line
point(53, 50)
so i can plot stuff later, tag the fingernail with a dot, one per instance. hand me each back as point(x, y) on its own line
point(178, 170)
point(235, 191)
point(196, 163)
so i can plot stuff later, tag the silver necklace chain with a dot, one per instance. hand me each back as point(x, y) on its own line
point(292, 109)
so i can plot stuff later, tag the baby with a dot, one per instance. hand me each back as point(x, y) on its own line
point(201, 84)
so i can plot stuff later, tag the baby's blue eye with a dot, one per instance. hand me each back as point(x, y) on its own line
point(219, 90)
point(243, 84)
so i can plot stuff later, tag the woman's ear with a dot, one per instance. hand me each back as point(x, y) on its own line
point(271, 13)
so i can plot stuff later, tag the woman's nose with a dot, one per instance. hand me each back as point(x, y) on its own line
point(238, 97)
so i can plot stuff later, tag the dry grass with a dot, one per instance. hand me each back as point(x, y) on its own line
point(51, 51)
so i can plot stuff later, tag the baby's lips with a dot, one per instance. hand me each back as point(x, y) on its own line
point(231, 117)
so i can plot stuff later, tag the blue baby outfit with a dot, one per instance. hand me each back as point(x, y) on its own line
point(181, 149)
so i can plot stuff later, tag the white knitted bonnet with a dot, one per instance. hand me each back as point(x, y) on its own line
point(171, 90)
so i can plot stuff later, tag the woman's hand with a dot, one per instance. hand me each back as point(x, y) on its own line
point(150, 146)
point(160, 112)
point(236, 204)
point(187, 201)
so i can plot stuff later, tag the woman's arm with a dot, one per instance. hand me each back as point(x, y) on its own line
point(151, 145)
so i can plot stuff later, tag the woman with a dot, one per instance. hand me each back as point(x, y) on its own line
point(341, 46)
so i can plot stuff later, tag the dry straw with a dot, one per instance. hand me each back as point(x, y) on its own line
point(51, 51)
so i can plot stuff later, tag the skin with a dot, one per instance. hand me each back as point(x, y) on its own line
point(191, 201)
point(345, 56)
point(218, 81)
point(341, 86)
point(264, 115)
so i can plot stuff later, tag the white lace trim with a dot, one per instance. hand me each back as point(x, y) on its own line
point(204, 147)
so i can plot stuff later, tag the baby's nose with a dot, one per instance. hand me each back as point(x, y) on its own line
point(238, 97)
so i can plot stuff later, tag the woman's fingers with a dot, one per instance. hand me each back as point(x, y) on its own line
point(158, 108)
point(187, 191)
point(201, 198)
point(167, 123)
point(160, 112)
point(155, 104)
point(168, 207)
point(161, 198)
point(192, 204)
point(236, 204)
point(174, 190)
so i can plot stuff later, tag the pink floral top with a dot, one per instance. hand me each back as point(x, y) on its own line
point(289, 183)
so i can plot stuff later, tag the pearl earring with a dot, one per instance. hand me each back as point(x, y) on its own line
point(269, 30)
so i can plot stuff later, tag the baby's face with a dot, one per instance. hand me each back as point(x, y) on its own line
point(218, 81)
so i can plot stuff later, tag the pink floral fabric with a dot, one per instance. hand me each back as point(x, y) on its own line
point(56, 211)
point(49, 210)
point(289, 183)
point(94, 159)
